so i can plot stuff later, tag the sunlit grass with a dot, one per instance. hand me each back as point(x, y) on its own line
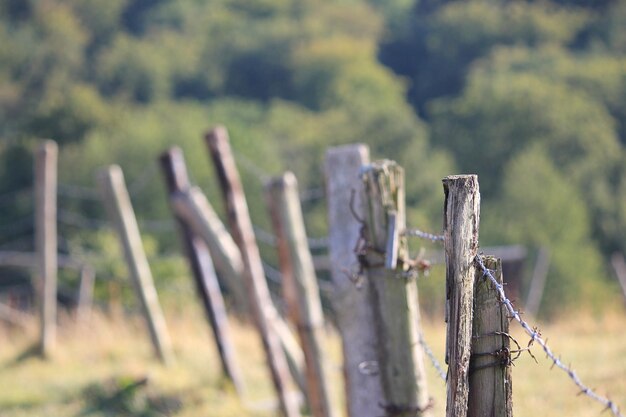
point(96, 357)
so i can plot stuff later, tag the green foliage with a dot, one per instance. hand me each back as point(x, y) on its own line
point(540, 208)
point(500, 86)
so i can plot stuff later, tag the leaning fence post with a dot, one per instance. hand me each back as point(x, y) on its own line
point(304, 304)
point(394, 292)
point(351, 295)
point(265, 314)
point(177, 181)
point(460, 225)
point(192, 206)
point(117, 201)
point(46, 242)
point(490, 385)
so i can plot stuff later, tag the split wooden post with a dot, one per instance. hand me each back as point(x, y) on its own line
point(490, 385)
point(118, 204)
point(192, 206)
point(177, 181)
point(460, 226)
point(393, 292)
point(46, 242)
point(259, 296)
point(304, 301)
point(351, 295)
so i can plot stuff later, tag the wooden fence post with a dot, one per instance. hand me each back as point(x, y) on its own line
point(117, 201)
point(538, 282)
point(619, 266)
point(394, 292)
point(351, 296)
point(46, 242)
point(259, 295)
point(192, 206)
point(85, 293)
point(177, 181)
point(460, 226)
point(490, 385)
point(304, 304)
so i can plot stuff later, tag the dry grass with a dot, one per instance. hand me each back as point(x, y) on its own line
point(92, 363)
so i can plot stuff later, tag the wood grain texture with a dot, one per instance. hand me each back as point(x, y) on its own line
point(490, 386)
point(394, 294)
point(351, 300)
point(461, 221)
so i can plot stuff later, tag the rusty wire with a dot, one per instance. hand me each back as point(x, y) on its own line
point(535, 336)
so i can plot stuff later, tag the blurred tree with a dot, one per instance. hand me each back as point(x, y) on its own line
point(540, 207)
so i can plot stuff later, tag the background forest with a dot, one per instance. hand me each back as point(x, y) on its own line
point(530, 95)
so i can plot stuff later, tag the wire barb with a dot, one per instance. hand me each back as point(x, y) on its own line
point(423, 235)
point(535, 336)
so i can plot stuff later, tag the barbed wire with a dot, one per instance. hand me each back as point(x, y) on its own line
point(78, 192)
point(271, 239)
point(77, 220)
point(20, 225)
point(142, 180)
point(431, 357)
point(423, 235)
point(535, 336)
point(310, 194)
point(10, 196)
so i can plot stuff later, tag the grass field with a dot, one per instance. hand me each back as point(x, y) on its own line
point(106, 369)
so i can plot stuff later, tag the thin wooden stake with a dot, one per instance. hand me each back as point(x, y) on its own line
point(461, 220)
point(115, 195)
point(351, 295)
point(46, 242)
point(304, 304)
point(85, 294)
point(490, 385)
point(177, 182)
point(394, 293)
point(259, 295)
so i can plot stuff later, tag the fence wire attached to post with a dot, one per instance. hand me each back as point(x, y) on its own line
point(535, 336)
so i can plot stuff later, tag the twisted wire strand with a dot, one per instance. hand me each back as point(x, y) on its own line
point(432, 358)
point(535, 336)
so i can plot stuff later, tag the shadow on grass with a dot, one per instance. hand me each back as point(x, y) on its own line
point(127, 396)
point(31, 352)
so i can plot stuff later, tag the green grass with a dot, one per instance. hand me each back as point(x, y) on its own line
point(107, 369)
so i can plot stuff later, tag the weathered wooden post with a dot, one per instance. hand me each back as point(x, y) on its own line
point(259, 295)
point(351, 298)
point(116, 198)
point(490, 385)
point(177, 181)
point(194, 208)
point(393, 288)
point(460, 226)
point(46, 242)
point(304, 303)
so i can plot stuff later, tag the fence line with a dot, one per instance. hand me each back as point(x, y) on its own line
point(423, 235)
point(535, 336)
